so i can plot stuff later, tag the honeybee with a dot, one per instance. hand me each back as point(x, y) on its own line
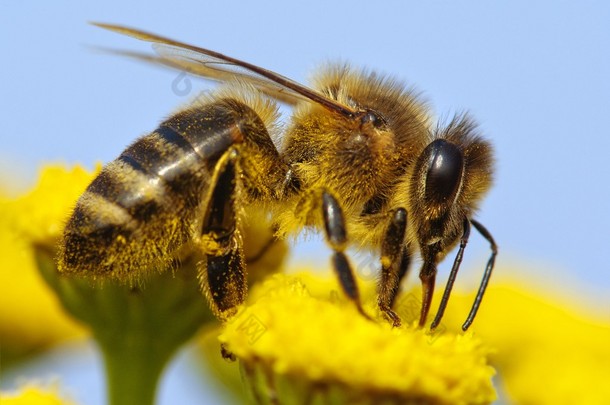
point(358, 159)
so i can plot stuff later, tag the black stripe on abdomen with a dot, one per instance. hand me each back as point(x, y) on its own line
point(125, 189)
point(133, 163)
point(174, 138)
point(210, 130)
point(167, 156)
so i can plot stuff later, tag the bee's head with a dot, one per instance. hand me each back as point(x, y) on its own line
point(449, 179)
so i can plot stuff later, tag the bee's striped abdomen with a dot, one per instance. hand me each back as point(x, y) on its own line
point(142, 207)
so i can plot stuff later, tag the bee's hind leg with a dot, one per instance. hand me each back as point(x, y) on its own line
point(223, 273)
point(334, 225)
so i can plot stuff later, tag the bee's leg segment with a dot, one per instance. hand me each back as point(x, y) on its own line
point(452, 275)
point(334, 225)
point(403, 269)
point(427, 275)
point(392, 252)
point(490, 265)
point(225, 276)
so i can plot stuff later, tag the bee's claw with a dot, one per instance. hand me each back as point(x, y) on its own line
point(393, 317)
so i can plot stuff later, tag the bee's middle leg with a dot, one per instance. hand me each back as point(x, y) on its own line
point(395, 259)
point(334, 225)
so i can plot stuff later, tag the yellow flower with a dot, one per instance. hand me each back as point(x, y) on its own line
point(298, 337)
point(40, 214)
point(138, 327)
point(33, 395)
point(299, 341)
point(547, 350)
point(30, 315)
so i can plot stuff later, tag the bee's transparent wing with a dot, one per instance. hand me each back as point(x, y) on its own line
point(218, 74)
point(216, 69)
point(214, 65)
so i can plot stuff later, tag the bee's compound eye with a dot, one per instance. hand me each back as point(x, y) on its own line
point(370, 117)
point(445, 166)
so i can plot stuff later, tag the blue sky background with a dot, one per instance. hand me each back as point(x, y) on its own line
point(536, 75)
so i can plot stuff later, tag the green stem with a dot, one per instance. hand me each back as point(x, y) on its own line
point(134, 365)
point(138, 328)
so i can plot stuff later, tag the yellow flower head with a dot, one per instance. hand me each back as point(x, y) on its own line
point(138, 327)
point(316, 345)
point(30, 315)
point(40, 214)
point(548, 350)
